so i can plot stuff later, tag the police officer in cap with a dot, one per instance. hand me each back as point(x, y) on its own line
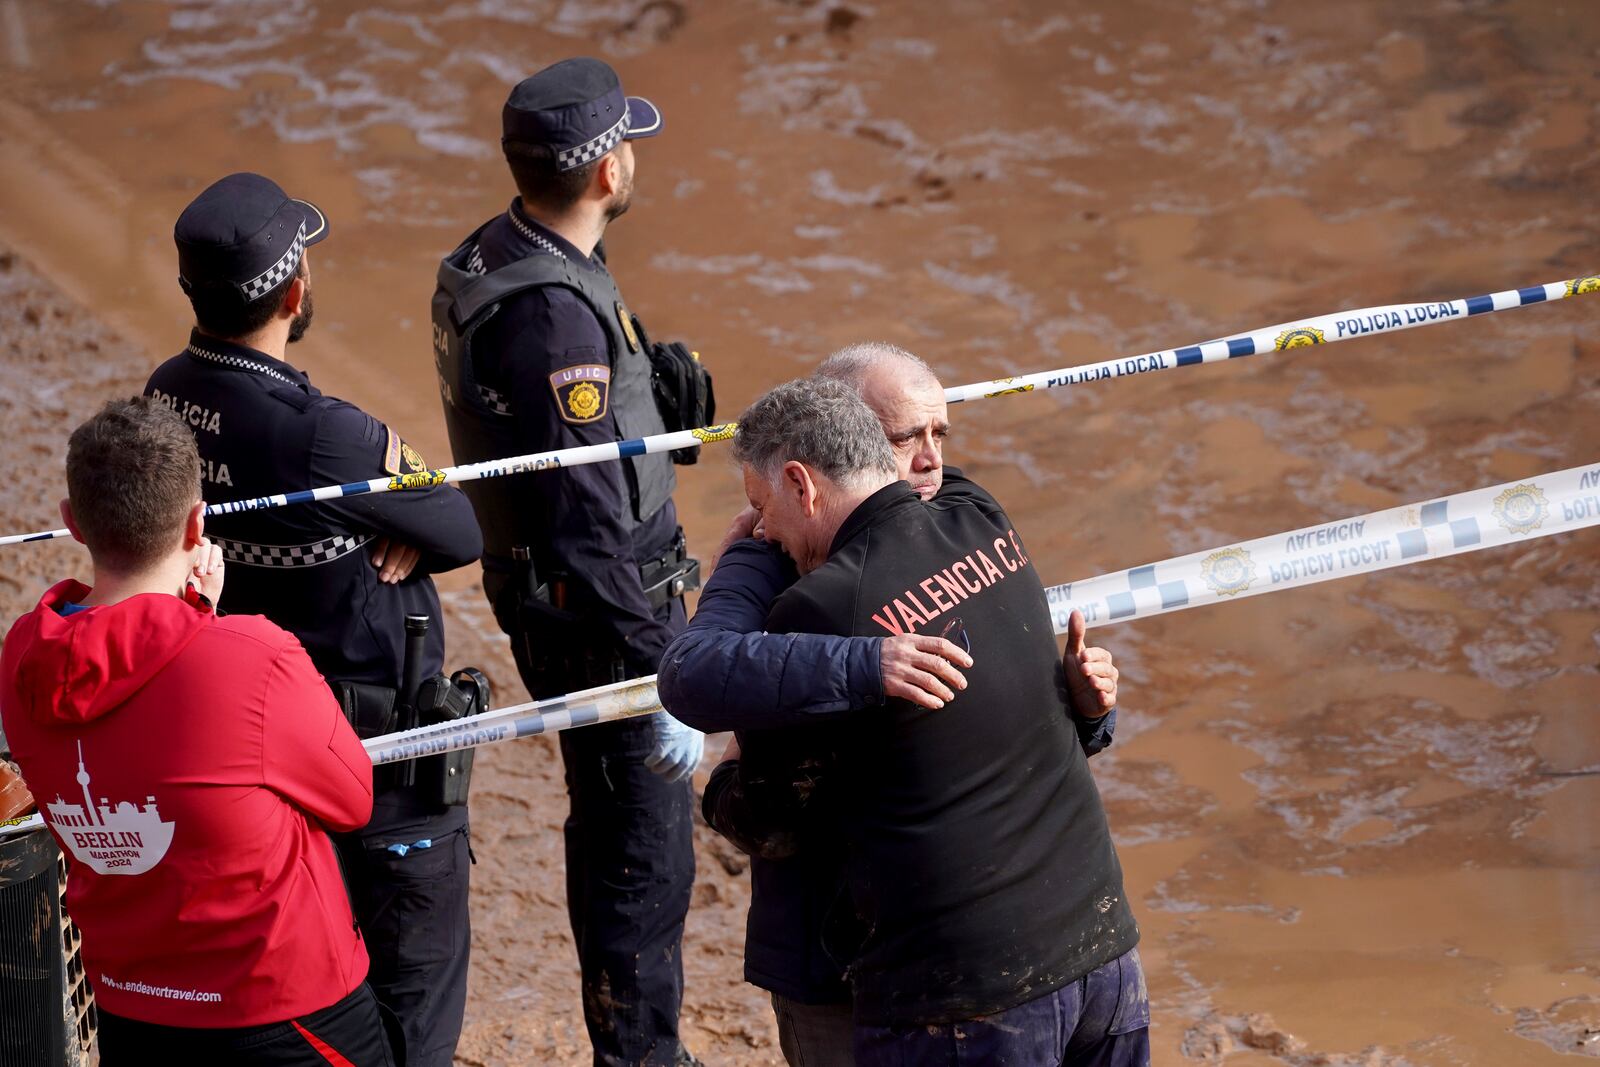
point(341, 575)
point(585, 567)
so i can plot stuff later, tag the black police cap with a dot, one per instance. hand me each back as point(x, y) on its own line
point(577, 110)
point(246, 233)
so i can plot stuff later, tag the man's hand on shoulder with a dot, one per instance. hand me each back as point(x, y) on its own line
point(1091, 675)
point(922, 669)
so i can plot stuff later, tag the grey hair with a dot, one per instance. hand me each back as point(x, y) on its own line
point(852, 363)
point(819, 422)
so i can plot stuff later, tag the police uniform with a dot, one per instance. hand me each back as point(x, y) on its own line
point(537, 351)
point(262, 428)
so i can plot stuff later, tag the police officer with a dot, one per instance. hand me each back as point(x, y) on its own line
point(585, 567)
point(341, 575)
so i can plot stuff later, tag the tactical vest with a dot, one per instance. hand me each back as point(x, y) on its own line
point(480, 421)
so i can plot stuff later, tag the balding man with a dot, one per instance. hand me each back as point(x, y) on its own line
point(724, 674)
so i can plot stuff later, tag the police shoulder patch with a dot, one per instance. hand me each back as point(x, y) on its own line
point(391, 451)
point(582, 391)
point(399, 457)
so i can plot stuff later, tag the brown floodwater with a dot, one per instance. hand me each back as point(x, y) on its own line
point(1357, 819)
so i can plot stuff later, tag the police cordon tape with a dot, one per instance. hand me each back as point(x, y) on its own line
point(1302, 333)
point(1466, 522)
point(619, 700)
point(1411, 533)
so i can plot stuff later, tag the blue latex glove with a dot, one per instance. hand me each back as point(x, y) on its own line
point(678, 748)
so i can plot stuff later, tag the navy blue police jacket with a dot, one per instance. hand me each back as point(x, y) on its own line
point(584, 533)
point(725, 673)
point(263, 428)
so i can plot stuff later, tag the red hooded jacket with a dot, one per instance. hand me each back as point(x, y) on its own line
point(189, 765)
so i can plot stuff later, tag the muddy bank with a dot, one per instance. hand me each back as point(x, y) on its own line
point(1356, 819)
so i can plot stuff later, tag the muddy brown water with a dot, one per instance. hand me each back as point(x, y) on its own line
point(1357, 819)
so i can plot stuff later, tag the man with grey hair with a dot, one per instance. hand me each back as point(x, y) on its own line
point(723, 673)
point(980, 867)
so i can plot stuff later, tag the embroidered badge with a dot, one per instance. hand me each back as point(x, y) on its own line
point(399, 457)
point(582, 391)
point(391, 451)
point(627, 327)
point(412, 458)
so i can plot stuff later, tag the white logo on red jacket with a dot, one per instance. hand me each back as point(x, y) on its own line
point(124, 839)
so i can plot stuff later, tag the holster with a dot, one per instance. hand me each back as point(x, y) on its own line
point(373, 710)
point(446, 779)
point(370, 709)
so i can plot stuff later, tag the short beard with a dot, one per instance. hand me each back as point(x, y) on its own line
point(621, 202)
point(301, 322)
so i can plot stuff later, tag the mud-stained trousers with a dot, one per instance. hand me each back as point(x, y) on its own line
point(410, 900)
point(630, 866)
point(1100, 1020)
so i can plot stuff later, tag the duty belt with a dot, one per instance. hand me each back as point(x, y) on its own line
point(664, 578)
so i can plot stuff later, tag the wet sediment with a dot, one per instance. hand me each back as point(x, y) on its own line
point(1356, 819)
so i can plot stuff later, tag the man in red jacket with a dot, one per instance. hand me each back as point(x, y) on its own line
point(189, 765)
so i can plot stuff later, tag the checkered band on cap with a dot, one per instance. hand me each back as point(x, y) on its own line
point(312, 555)
point(569, 158)
point(274, 275)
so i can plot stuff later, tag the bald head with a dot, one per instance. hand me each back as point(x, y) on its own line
point(906, 396)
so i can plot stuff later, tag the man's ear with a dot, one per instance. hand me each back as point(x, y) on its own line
point(194, 527)
point(608, 175)
point(294, 299)
point(71, 523)
point(802, 487)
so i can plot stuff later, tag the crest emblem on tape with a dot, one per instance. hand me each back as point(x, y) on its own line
point(1521, 508)
point(1228, 571)
point(1299, 337)
point(1579, 286)
point(709, 434)
point(1010, 390)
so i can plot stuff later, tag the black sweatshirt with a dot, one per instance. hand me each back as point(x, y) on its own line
point(978, 852)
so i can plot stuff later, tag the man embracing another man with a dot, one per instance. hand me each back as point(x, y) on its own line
point(989, 920)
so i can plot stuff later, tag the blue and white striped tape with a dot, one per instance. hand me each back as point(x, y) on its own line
point(1325, 329)
point(1482, 518)
point(1467, 522)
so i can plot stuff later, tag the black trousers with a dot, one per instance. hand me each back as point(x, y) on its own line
point(348, 1032)
point(411, 904)
point(630, 866)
